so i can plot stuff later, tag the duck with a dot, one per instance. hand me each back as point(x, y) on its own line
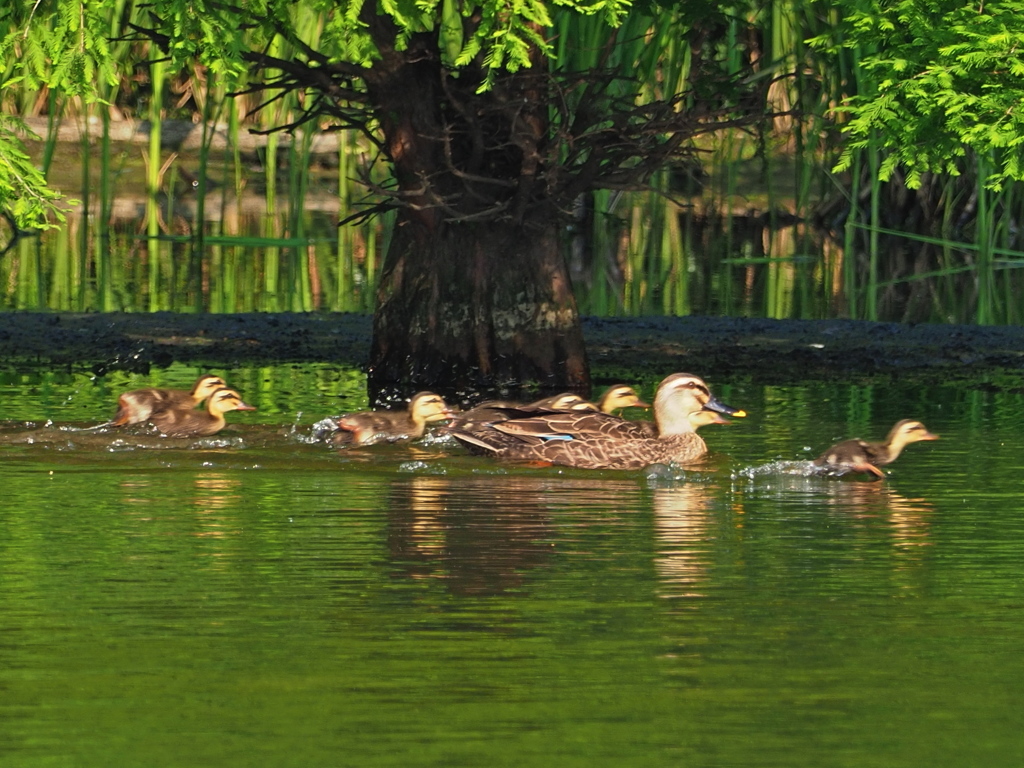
point(703, 418)
point(188, 422)
point(858, 455)
point(137, 406)
point(491, 411)
point(594, 440)
point(615, 398)
point(618, 397)
point(371, 427)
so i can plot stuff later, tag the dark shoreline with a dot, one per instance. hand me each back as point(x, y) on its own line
point(765, 351)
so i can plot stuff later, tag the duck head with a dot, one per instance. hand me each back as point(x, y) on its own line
point(906, 432)
point(206, 385)
point(682, 395)
point(620, 396)
point(224, 400)
point(426, 407)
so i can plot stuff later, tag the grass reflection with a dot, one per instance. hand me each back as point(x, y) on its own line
point(652, 257)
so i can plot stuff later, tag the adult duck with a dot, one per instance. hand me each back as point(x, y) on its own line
point(188, 422)
point(139, 405)
point(858, 455)
point(370, 427)
point(592, 440)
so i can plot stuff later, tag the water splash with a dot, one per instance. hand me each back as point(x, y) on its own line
point(780, 467)
point(421, 468)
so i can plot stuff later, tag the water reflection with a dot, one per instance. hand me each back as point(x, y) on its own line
point(136, 490)
point(906, 521)
point(215, 492)
point(651, 258)
point(683, 525)
point(479, 535)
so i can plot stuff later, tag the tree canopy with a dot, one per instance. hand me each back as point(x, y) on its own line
point(325, 48)
point(935, 81)
point(929, 82)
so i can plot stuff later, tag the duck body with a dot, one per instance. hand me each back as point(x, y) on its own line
point(858, 455)
point(590, 441)
point(137, 406)
point(188, 422)
point(594, 440)
point(372, 427)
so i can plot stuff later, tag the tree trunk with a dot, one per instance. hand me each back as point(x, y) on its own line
point(465, 308)
point(475, 294)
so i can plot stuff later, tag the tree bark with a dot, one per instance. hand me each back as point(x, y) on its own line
point(476, 307)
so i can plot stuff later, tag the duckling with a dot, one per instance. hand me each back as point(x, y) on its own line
point(491, 411)
point(704, 418)
point(139, 405)
point(188, 422)
point(567, 401)
point(592, 440)
point(698, 420)
point(860, 456)
point(618, 397)
point(370, 427)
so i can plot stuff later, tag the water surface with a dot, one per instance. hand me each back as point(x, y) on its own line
point(261, 599)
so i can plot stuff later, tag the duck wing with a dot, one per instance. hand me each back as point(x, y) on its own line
point(606, 453)
point(854, 456)
point(179, 423)
point(139, 405)
point(570, 425)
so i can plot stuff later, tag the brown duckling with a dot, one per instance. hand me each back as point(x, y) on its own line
point(705, 417)
point(592, 440)
point(491, 411)
point(188, 422)
point(618, 397)
point(861, 456)
point(370, 427)
point(139, 405)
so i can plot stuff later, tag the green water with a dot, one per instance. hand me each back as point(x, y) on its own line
point(258, 599)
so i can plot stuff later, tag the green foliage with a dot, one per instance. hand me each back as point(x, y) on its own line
point(23, 190)
point(61, 44)
point(939, 80)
